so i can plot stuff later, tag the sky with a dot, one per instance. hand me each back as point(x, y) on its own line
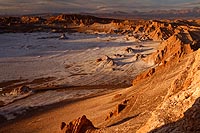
point(91, 6)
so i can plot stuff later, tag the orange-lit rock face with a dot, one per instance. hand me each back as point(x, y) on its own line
point(184, 40)
point(26, 19)
point(178, 45)
point(180, 105)
point(80, 125)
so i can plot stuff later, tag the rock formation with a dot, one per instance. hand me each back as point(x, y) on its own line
point(80, 125)
point(105, 61)
point(182, 46)
point(184, 90)
point(184, 41)
point(188, 124)
point(21, 90)
point(154, 30)
point(118, 109)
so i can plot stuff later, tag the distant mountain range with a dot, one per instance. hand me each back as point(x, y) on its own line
point(154, 14)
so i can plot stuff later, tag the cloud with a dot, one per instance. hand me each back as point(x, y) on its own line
point(76, 6)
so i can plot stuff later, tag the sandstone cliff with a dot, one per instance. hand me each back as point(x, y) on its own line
point(182, 94)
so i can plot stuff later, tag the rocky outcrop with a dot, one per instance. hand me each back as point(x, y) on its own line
point(80, 125)
point(30, 20)
point(184, 41)
point(155, 30)
point(182, 94)
point(188, 124)
point(117, 110)
point(144, 75)
point(54, 23)
point(146, 29)
point(78, 19)
point(105, 62)
point(172, 115)
point(21, 90)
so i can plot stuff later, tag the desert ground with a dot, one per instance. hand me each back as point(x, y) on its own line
point(124, 76)
point(66, 69)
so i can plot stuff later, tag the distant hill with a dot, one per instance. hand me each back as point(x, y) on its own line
point(155, 14)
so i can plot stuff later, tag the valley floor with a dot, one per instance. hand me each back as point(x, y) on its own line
point(62, 70)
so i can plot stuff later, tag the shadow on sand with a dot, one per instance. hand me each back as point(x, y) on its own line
point(124, 120)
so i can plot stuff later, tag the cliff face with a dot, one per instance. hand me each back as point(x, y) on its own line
point(189, 123)
point(181, 95)
point(156, 30)
point(178, 112)
point(184, 41)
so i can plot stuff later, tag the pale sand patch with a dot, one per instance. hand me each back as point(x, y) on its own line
point(72, 61)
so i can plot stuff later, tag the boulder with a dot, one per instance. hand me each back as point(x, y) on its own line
point(80, 125)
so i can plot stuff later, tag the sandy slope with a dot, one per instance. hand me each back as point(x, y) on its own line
point(49, 120)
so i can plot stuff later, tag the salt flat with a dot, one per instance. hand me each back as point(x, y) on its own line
point(72, 61)
point(80, 60)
